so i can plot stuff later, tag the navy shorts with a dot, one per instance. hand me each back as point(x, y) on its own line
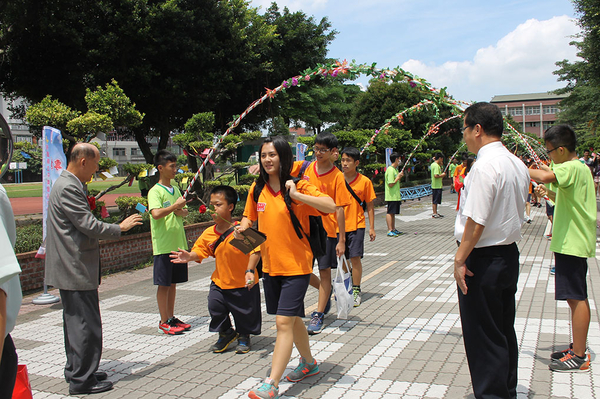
point(529, 197)
point(167, 272)
point(242, 303)
point(284, 295)
point(570, 278)
point(393, 207)
point(436, 196)
point(355, 243)
point(329, 260)
point(549, 209)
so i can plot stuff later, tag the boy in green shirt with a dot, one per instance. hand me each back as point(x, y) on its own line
point(392, 194)
point(451, 170)
point(166, 206)
point(573, 238)
point(436, 183)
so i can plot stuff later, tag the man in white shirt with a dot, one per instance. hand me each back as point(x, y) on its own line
point(486, 264)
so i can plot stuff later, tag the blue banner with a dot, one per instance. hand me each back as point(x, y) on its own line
point(388, 152)
point(300, 150)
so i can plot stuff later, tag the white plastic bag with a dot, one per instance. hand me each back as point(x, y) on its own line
point(342, 288)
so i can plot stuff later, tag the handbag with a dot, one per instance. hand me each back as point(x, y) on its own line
point(22, 388)
point(342, 289)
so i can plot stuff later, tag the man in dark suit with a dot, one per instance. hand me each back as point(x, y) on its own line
point(73, 266)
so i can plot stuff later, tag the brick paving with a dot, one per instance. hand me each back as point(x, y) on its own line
point(404, 340)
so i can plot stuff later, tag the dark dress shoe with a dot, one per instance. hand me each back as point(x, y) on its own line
point(100, 376)
point(102, 386)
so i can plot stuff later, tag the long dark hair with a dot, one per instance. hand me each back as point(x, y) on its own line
point(283, 149)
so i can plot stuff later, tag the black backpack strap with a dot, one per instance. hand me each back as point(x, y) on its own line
point(222, 238)
point(303, 168)
point(361, 203)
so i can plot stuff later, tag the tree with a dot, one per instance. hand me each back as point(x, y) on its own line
point(173, 57)
point(582, 107)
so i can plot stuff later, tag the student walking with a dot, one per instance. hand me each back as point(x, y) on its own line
point(282, 210)
point(392, 194)
point(234, 287)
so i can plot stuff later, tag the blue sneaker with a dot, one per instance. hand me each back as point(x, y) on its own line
point(267, 390)
point(398, 233)
point(392, 234)
point(315, 325)
point(303, 370)
point(553, 270)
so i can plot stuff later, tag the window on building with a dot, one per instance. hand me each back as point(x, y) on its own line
point(118, 152)
point(532, 110)
point(550, 109)
point(515, 111)
point(135, 152)
point(503, 111)
point(532, 124)
point(548, 124)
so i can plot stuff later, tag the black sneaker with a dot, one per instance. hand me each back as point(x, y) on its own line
point(225, 339)
point(243, 345)
point(560, 354)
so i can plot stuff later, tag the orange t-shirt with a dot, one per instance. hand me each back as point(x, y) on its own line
point(231, 263)
point(354, 213)
point(459, 170)
point(331, 183)
point(283, 253)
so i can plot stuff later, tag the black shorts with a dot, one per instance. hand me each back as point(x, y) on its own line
point(167, 272)
point(242, 303)
point(570, 277)
point(329, 260)
point(529, 197)
point(284, 295)
point(436, 196)
point(393, 207)
point(549, 209)
point(355, 243)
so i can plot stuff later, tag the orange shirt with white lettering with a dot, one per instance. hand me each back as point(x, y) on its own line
point(231, 263)
point(331, 183)
point(354, 213)
point(283, 253)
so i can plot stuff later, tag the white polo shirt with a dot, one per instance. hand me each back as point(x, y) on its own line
point(494, 196)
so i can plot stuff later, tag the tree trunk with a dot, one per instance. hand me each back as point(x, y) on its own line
point(140, 137)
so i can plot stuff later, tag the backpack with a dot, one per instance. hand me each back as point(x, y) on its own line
point(317, 237)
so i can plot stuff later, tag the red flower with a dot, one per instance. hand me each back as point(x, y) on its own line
point(92, 202)
point(202, 208)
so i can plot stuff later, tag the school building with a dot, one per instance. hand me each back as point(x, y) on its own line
point(535, 112)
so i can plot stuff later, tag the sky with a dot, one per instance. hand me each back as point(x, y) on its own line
point(477, 49)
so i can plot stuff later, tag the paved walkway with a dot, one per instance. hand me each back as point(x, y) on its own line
point(403, 341)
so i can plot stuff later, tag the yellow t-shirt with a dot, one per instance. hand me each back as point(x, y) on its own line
point(283, 253)
point(354, 213)
point(231, 263)
point(331, 183)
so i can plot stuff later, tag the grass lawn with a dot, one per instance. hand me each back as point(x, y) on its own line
point(35, 189)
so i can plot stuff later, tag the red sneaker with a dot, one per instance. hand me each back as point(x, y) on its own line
point(169, 329)
point(175, 322)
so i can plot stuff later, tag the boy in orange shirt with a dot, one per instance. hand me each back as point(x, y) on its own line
point(361, 188)
point(234, 287)
point(323, 174)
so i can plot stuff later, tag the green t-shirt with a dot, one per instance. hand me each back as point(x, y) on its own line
point(574, 223)
point(392, 193)
point(451, 169)
point(167, 233)
point(436, 169)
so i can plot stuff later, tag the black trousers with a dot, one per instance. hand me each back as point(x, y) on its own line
point(487, 315)
point(243, 304)
point(83, 337)
point(8, 368)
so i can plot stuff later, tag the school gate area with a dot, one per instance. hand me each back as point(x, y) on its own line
point(403, 341)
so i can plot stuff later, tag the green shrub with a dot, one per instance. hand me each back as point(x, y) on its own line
point(29, 238)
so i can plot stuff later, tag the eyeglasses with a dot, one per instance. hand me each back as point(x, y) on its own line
point(462, 129)
point(555, 148)
point(320, 150)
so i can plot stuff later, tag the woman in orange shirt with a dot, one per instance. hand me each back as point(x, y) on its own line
point(287, 258)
